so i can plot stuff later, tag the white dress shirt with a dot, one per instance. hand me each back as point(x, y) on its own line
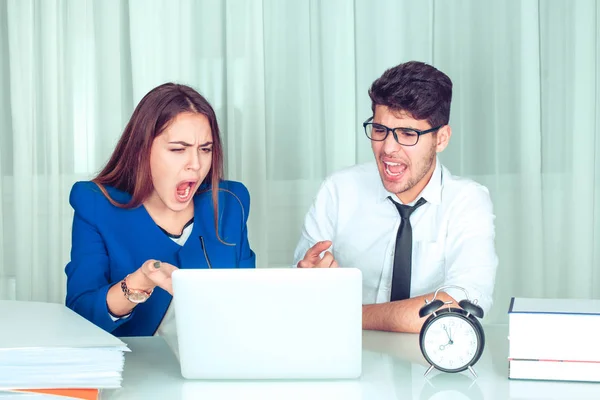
point(453, 233)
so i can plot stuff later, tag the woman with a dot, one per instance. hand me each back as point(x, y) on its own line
point(159, 204)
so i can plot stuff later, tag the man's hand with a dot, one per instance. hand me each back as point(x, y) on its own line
point(312, 258)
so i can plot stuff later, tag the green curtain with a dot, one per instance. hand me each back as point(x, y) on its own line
point(289, 82)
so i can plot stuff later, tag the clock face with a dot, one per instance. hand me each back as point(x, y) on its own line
point(451, 342)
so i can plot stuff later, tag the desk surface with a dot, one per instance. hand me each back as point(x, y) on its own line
point(393, 368)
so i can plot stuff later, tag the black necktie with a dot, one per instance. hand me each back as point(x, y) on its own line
point(403, 252)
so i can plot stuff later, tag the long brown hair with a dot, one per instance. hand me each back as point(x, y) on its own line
point(128, 168)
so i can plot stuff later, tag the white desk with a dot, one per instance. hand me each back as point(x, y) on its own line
point(393, 368)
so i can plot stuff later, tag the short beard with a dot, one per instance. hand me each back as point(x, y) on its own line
point(423, 169)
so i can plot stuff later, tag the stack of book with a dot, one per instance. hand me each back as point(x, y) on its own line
point(554, 339)
point(48, 347)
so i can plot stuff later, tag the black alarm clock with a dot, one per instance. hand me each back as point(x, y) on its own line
point(451, 339)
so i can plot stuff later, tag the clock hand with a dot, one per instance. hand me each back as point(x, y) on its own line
point(443, 346)
point(450, 336)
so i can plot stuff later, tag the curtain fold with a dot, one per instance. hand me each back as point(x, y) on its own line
point(289, 81)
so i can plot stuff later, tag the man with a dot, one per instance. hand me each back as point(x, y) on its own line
point(446, 234)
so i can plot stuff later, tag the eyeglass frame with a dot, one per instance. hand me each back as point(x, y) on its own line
point(393, 130)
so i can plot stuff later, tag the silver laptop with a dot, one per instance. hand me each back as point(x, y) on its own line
point(269, 323)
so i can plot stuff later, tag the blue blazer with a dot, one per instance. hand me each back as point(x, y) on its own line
point(110, 242)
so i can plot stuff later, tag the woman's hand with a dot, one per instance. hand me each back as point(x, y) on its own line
point(153, 273)
point(159, 273)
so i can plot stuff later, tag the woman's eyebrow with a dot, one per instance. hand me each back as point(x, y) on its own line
point(186, 144)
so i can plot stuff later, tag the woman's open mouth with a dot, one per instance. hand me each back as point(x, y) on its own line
point(184, 191)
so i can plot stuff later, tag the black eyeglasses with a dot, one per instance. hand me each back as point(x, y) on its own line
point(404, 136)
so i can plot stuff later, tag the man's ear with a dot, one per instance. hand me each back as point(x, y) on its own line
point(442, 138)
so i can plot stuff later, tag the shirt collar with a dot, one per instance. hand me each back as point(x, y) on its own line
point(432, 192)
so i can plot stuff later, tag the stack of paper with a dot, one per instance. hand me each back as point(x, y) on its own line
point(45, 345)
point(50, 394)
point(554, 339)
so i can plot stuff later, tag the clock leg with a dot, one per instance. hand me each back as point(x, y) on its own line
point(428, 370)
point(473, 372)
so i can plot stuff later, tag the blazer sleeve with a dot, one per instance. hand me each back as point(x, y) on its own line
point(246, 257)
point(88, 275)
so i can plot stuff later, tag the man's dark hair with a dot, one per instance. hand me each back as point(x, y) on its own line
point(416, 88)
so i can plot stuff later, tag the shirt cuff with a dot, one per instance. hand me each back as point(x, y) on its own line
point(114, 317)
